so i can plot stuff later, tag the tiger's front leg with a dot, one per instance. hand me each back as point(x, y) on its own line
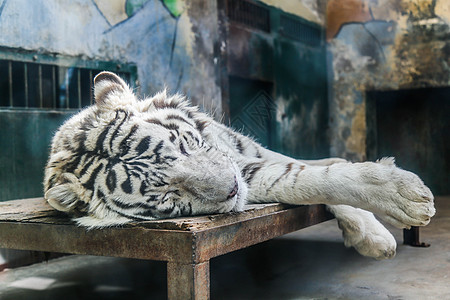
point(362, 231)
point(397, 196)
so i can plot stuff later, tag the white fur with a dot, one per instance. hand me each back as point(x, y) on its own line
point(362, 231)
point(183, 163)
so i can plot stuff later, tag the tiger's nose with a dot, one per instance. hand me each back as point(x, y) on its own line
point(234, 190)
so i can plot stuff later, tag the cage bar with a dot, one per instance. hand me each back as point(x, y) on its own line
point(66, 79)
point(54, 86)
point(91, 94)
point(25, 72)
point(40, 86)
point(79, 86)
point(10, 80)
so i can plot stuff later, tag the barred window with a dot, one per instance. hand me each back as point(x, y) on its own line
point(293, 28)
point(33, 81)
point(250, 14)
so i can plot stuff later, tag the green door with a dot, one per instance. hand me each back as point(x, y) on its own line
point(252, 109)
point(278, 80)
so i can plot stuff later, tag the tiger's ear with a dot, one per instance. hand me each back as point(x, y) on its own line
point(110, 91)
point(66, 196)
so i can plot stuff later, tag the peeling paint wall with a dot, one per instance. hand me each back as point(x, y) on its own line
point(171, 42)
point(381, 45)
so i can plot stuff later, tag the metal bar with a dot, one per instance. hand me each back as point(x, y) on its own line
point(91, 89)
point(40, 85)
point(154, 244)
point(54, 85)
point(66, 79)
point(10, 83)
point(188, 281)
point(227, 238)
point(79, 86)
point(25, 72)
point(411, 237)
point(61, 60)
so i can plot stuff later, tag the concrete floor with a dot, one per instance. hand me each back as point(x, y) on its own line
point(309, 264)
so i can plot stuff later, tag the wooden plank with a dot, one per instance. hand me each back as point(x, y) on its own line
point(28, 210)
point(37, 210)
point(204, 222)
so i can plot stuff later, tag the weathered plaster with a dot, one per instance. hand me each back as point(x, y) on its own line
point(356, 141)
point(112, 10)
point(442, 10)
point(203, 37)
point(343, 12)
point(298, 128)
point(404, 44)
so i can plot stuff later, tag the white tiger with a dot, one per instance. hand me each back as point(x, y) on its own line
point(123, 159)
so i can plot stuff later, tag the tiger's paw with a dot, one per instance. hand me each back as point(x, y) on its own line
point(403, 200)
point(362, 231)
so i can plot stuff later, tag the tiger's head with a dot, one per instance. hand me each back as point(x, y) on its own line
point(125, 159)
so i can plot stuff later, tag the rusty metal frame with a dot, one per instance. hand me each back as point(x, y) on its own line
point(186, 244)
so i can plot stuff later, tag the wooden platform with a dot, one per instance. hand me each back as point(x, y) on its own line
point(187, 244)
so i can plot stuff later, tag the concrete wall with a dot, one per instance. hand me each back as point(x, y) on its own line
point(381, 45)
point(171, 42)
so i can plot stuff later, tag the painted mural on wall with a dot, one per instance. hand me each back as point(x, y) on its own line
point(381, 45)
point(116, 11)
point(166, 39)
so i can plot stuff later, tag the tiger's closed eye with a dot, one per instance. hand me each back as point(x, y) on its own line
point(183, 149)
